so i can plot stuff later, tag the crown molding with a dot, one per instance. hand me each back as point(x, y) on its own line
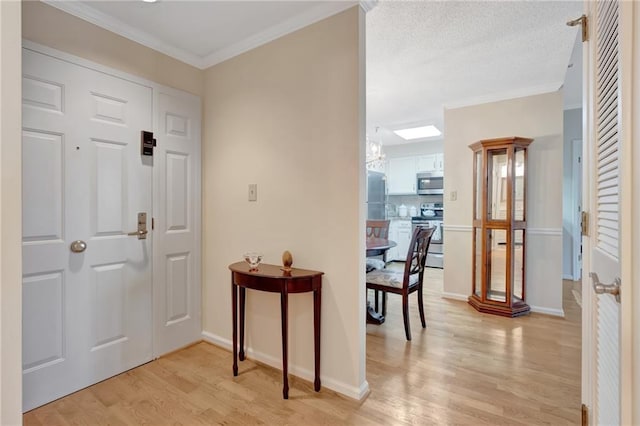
point(368, 5)
point(309, 17)
point(114, 25)
point(504, 96)
point(96, 17)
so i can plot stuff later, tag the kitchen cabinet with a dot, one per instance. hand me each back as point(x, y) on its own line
point(401, 176)
point(401, 172)
point(440, 162)
point(400, 232)
point(430, 163)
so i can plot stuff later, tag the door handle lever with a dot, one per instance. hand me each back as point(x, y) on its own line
point(141, 234)
point(601, 288)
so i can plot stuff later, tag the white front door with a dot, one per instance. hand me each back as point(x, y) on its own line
point(606, 372)
point(86, 315)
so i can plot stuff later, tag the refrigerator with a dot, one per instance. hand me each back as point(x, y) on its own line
point(376, 195)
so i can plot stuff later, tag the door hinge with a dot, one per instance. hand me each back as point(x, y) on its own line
point(153, 223)
point(584, 23)
point(585, 415)
point(584, 224)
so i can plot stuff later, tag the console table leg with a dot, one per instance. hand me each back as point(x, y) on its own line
point(234, 313)
point(243, 292)
point(284, 311)
point(317, 299)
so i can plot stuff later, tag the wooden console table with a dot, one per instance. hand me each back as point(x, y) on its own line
point(272, 279)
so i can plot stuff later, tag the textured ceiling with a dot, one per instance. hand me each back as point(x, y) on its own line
point(422, 56)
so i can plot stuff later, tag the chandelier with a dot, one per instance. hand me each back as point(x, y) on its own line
point(374, 155)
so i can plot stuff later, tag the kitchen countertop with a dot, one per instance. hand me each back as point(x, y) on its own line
point(410, 218)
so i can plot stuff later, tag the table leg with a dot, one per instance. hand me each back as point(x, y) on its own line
point(317, 303)
point(284, 310)
point(234, 313)
point(243, 292)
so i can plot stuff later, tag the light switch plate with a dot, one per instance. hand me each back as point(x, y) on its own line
point(453, 196)
point(253, 192)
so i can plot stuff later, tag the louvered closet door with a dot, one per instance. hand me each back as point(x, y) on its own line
point(605, 207)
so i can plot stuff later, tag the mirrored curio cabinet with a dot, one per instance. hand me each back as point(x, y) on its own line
point(499, 226)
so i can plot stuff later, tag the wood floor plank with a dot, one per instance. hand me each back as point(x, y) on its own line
point(465, 368)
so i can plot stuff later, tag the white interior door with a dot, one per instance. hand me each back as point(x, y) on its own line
point(607, 178)
point(86, 315)
point(176, 276)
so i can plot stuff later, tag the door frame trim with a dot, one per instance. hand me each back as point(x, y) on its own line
point(156, 89)
point(588, 330)
point(626, 212)
point(634, 292)
point(576, 208)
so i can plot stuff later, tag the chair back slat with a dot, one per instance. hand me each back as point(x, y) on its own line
point(417, 254)
point(378, 229)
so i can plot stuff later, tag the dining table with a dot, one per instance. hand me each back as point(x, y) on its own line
point(377, 247)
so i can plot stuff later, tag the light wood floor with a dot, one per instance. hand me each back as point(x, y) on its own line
point(465, 368)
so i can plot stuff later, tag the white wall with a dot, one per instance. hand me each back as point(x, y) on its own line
point(572, 131)
point(10, 215)
point(539, 117)
point(289, 116)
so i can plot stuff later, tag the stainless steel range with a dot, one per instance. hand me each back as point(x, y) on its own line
point(432, 215)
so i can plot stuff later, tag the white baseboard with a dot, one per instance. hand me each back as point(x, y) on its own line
point(357, 393)
point(454, 296)
point(548, 311)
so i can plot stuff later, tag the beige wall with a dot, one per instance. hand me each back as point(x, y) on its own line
point(289, 117)
point(10, 216)
point(54, 28)
point(539, 117)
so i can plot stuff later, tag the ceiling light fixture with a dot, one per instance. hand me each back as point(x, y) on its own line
point(374, 155)
point(418, 132)
point(149, 1)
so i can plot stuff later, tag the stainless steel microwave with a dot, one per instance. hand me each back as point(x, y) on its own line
point(430, 183)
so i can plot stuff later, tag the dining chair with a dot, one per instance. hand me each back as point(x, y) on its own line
point(378, 229)
point(408, 281)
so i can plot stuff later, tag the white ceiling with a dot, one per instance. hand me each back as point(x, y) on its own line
point(202, 33)
point(421, 55)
